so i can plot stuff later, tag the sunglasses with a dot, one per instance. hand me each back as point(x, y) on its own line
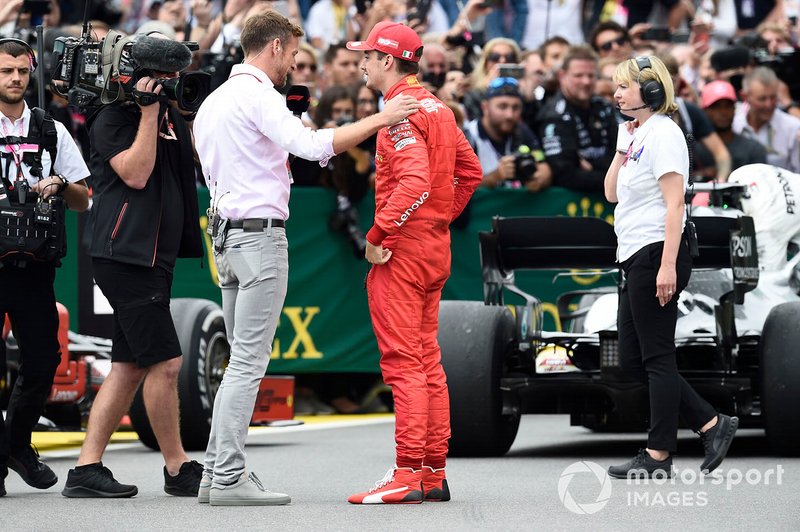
point(496, 83)
point(619, 41)
point(311, 66)
point(506, 58)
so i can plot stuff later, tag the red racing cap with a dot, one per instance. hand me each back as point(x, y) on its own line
point(391, 38)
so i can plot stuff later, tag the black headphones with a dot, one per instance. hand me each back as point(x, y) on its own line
point(28, 49)
point(652, 91)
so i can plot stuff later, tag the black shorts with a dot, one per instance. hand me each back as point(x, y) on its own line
point(143, 329)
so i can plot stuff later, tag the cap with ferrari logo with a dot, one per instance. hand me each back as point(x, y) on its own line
point(393, 38)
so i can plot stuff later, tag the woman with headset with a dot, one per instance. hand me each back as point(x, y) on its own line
point(647, 179)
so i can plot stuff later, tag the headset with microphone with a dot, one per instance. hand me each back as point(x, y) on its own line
point(651, 90)
point(28, 50)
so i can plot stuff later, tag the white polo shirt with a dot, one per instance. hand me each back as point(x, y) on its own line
point(243, 135)
point(658, 148)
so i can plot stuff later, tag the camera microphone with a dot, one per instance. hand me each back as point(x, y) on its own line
point(163, 55)
point(631, 109)
point(298, 98)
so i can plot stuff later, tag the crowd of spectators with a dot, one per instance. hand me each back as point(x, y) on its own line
point(528, 80)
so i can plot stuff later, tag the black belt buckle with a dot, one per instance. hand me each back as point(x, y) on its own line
point(253, 225)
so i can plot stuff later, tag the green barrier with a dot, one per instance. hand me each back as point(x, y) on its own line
point(325, 324)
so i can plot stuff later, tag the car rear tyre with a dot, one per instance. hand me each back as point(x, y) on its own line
point(204, 344)
point(474, 339)
point(780, 370)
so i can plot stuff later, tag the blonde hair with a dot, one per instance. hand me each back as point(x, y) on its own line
point(480, 73)
point(628, 72)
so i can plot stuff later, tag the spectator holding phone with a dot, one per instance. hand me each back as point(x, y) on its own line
point(500, 51)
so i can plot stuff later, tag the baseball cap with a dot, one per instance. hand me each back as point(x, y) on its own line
point(391, 38)
point(502, 87)
point(716, 91)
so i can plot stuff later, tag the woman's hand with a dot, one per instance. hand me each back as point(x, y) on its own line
point(666, 282)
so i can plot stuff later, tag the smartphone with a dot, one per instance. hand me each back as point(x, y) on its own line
point(657, 34)
point(680, 37)
point(492, 3)
point(511, 71)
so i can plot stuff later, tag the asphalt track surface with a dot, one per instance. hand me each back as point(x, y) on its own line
point(324, 461)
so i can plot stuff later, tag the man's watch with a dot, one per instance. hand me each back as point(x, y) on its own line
point(64, 183)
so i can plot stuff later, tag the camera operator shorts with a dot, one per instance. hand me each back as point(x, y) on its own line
point(144, 332)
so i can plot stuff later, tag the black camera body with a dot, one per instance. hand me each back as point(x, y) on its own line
point(524, 164)
point(104, 72)
point(219, 65)
point(784, 63)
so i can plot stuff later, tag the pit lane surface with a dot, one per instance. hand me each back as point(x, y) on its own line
point(326, 460)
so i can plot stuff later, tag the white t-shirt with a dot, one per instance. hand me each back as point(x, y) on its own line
point(547, 19)
point(69, 160)
point(658, 148)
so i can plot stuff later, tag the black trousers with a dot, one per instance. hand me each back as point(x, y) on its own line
point(28, 298)
point(647, 346)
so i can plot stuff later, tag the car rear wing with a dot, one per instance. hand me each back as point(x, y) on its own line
point(559, 243)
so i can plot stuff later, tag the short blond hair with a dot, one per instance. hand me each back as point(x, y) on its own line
point(628, 72)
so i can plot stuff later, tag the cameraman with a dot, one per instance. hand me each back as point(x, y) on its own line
point(27, 295)
point(578, 128)
point(143, 217)
point(509, 152)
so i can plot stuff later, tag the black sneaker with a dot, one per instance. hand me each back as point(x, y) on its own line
point(96, 481)
point(3, 475)
point(35, 473)
point(643, 466)
point(716, 441)
point(186, 483)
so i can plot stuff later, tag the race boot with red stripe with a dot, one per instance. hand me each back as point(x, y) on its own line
point(401, 485)
point(434, 485)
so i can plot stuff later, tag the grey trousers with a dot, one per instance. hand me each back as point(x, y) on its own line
point(253, 270)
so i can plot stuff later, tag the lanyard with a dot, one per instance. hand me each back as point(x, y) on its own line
point(15, 150)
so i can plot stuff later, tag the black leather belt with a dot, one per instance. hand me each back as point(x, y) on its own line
point(256, 224)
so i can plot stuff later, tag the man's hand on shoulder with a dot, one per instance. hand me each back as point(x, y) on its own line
point(398, 108)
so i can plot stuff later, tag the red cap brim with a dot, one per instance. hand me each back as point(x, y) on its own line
point(359, 45)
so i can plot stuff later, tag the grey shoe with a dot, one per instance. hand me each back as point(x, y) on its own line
point(247, 491)
point(205, 489)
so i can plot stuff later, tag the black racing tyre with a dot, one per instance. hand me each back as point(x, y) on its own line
point(780, 372)
point(474, 339)
point(204, 344)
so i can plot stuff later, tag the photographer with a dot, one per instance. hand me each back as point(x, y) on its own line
point(578, 128)
point(27, 296)
point(348, 173)
point(144, 216)
point(509, 152)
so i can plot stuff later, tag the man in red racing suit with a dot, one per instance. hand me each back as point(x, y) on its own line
point(426, 173)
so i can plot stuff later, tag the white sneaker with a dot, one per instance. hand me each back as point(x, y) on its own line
point(247, 491)
point(205, 489)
